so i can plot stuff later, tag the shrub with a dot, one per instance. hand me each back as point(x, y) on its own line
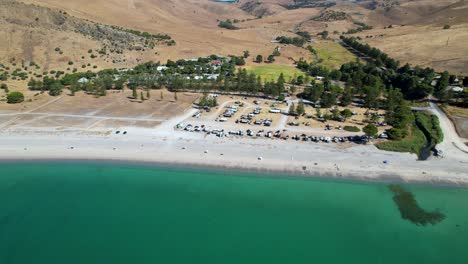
point(352, 129)
point(227, 24)
point(15, 97)
point(446, 26)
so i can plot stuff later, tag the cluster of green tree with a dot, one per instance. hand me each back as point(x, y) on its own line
point(298, 110)
point(374, 88)
point(361, 27)
point(415, 83)
point(323, 34)
point(238, 60)
point(227, 24)
point(304, 34)
point(144, 34)
point(330, 15)
point(52, 85)
point(296, 41)
point(312, 50)
point(308, 4)
point(299, 80)
point(239, 82)
point(205, 100)
point(69, 79)
point(380, 57)
point(324, 93)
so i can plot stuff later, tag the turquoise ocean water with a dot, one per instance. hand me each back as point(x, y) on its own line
point(107, 213)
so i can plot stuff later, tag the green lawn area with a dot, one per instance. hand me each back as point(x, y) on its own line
point(333, 54)
point(270, 72)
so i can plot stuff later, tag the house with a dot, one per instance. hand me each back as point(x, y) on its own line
point(319, 78)
point(161, 68)
point(83, 80)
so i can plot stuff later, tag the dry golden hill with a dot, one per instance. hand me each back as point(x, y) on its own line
point(416, 35)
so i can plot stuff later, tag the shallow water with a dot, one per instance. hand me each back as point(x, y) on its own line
point(108, 213)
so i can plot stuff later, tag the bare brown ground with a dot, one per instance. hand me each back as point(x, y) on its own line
point(85, 112)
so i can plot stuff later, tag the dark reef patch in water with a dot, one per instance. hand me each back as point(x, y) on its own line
point(410, 209)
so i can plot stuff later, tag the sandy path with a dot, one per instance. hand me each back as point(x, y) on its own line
point(452, 145)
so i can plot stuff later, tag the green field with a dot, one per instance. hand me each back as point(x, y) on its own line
point(270, 72)
point(333, 54)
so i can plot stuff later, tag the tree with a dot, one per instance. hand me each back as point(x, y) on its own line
point(74, 88)
point(134, 93)
point(300, 108)
point(259, 59)
point(370, 130)
point(346, 113)
point(372, 94)
point(292, 110)
point(142, 97)
point(246, 54)
point(15, 97)
point(442, 84)
point(347, 97)
point(280, 83)
point(271, 58)
point(55, 89)
point(328, 100)
point(175, 96)
point(161, 96)
point(148, 94)
point(4, 86)
point(324, 34)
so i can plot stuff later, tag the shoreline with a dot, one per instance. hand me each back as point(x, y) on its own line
point(290, 174)
point(187, 151)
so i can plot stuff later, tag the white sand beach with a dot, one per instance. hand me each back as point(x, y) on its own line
point(165, 145)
